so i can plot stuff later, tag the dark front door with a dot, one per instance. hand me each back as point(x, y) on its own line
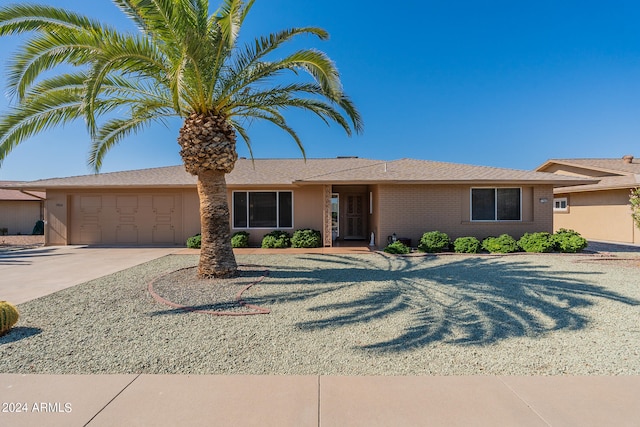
point(355, 227)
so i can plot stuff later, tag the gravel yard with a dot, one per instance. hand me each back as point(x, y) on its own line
point(347, 315)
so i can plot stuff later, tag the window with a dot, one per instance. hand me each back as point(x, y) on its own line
point(560, 204)
point(496, 204)
point(262, 209)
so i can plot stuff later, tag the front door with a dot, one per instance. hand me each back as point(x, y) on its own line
point(355, 227)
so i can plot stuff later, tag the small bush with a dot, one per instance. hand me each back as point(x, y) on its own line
point(466, 245)
point(240, 239)
point(276, 239)
point(569, 241)
point(397, 247)
point(306, 238)
point(434, 241)
point(537, 242)
point(502, 244)
point(194, 242)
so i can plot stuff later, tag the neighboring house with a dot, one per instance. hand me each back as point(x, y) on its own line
point(19, 211)
point(345, 198)
point(599, 211)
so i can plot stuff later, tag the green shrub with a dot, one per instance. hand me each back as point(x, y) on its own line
point(397, 247)
point(466, 245)
point(306, 238)
point(194, 242)
point(537, 242)
point(502, 244)
point(434, 241)
point(569, 241)
point(240, 239)
point(276, 239)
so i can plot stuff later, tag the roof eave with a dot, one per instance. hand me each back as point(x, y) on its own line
point(580, 166)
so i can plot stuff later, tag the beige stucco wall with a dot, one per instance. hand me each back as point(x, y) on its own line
point(19, 216)
point(599, 215)
point(411, 210)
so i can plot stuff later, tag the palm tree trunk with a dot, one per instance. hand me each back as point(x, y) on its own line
point(216, 254)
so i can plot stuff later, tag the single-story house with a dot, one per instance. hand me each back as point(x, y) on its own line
point(599, 211)
point(346, 198)
point(19, 210)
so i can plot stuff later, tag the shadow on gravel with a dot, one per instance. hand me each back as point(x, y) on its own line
point(468, 301)
point(18, 333)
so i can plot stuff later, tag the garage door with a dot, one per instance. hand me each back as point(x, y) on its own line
point(126, 219)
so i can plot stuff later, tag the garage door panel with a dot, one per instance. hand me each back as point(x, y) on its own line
point(127, 234)
point(127, 219)
point(164, 233)
point(90, 234)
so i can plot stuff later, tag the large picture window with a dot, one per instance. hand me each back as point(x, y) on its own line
point(496, 204)
point(262, 209)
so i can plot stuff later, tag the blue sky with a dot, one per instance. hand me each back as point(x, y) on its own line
point(496, 83)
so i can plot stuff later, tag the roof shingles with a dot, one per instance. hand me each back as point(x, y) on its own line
point(287, 172)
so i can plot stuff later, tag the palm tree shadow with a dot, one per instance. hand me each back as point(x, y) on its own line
point(469, 301)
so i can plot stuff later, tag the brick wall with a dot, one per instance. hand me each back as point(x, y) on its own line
point(411, 210)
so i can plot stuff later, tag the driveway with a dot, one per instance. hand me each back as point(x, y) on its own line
point(33, 273)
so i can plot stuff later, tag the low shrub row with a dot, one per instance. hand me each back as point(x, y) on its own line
point(305, 238)
point(567, 241)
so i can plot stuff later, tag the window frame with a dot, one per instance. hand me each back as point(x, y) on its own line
point(248, 210)
point(495, 204)
point(561, 199)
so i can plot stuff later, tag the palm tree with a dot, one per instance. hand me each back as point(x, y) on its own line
point(183, 62)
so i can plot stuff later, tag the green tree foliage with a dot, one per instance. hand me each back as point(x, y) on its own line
point(634, 199)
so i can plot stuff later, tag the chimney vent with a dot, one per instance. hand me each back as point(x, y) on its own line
point(628, 158)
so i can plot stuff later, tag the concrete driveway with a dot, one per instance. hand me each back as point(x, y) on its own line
point(33, 273)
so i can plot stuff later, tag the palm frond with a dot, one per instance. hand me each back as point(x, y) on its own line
point(115, 130)
point(21, 18)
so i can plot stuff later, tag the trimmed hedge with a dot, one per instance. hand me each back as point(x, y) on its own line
point(466, 245)
point(434, 241)
point(240, 239)
point(397, 247)
point(276, 239)
point(502, 244)
point(569, 241)
point(537, 242)
point(306, 238)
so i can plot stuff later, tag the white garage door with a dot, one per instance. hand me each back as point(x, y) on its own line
point(126, 219)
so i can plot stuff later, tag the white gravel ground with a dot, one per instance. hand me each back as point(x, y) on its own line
point(350, 315)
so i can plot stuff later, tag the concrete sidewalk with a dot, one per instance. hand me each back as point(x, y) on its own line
point(159, 400)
